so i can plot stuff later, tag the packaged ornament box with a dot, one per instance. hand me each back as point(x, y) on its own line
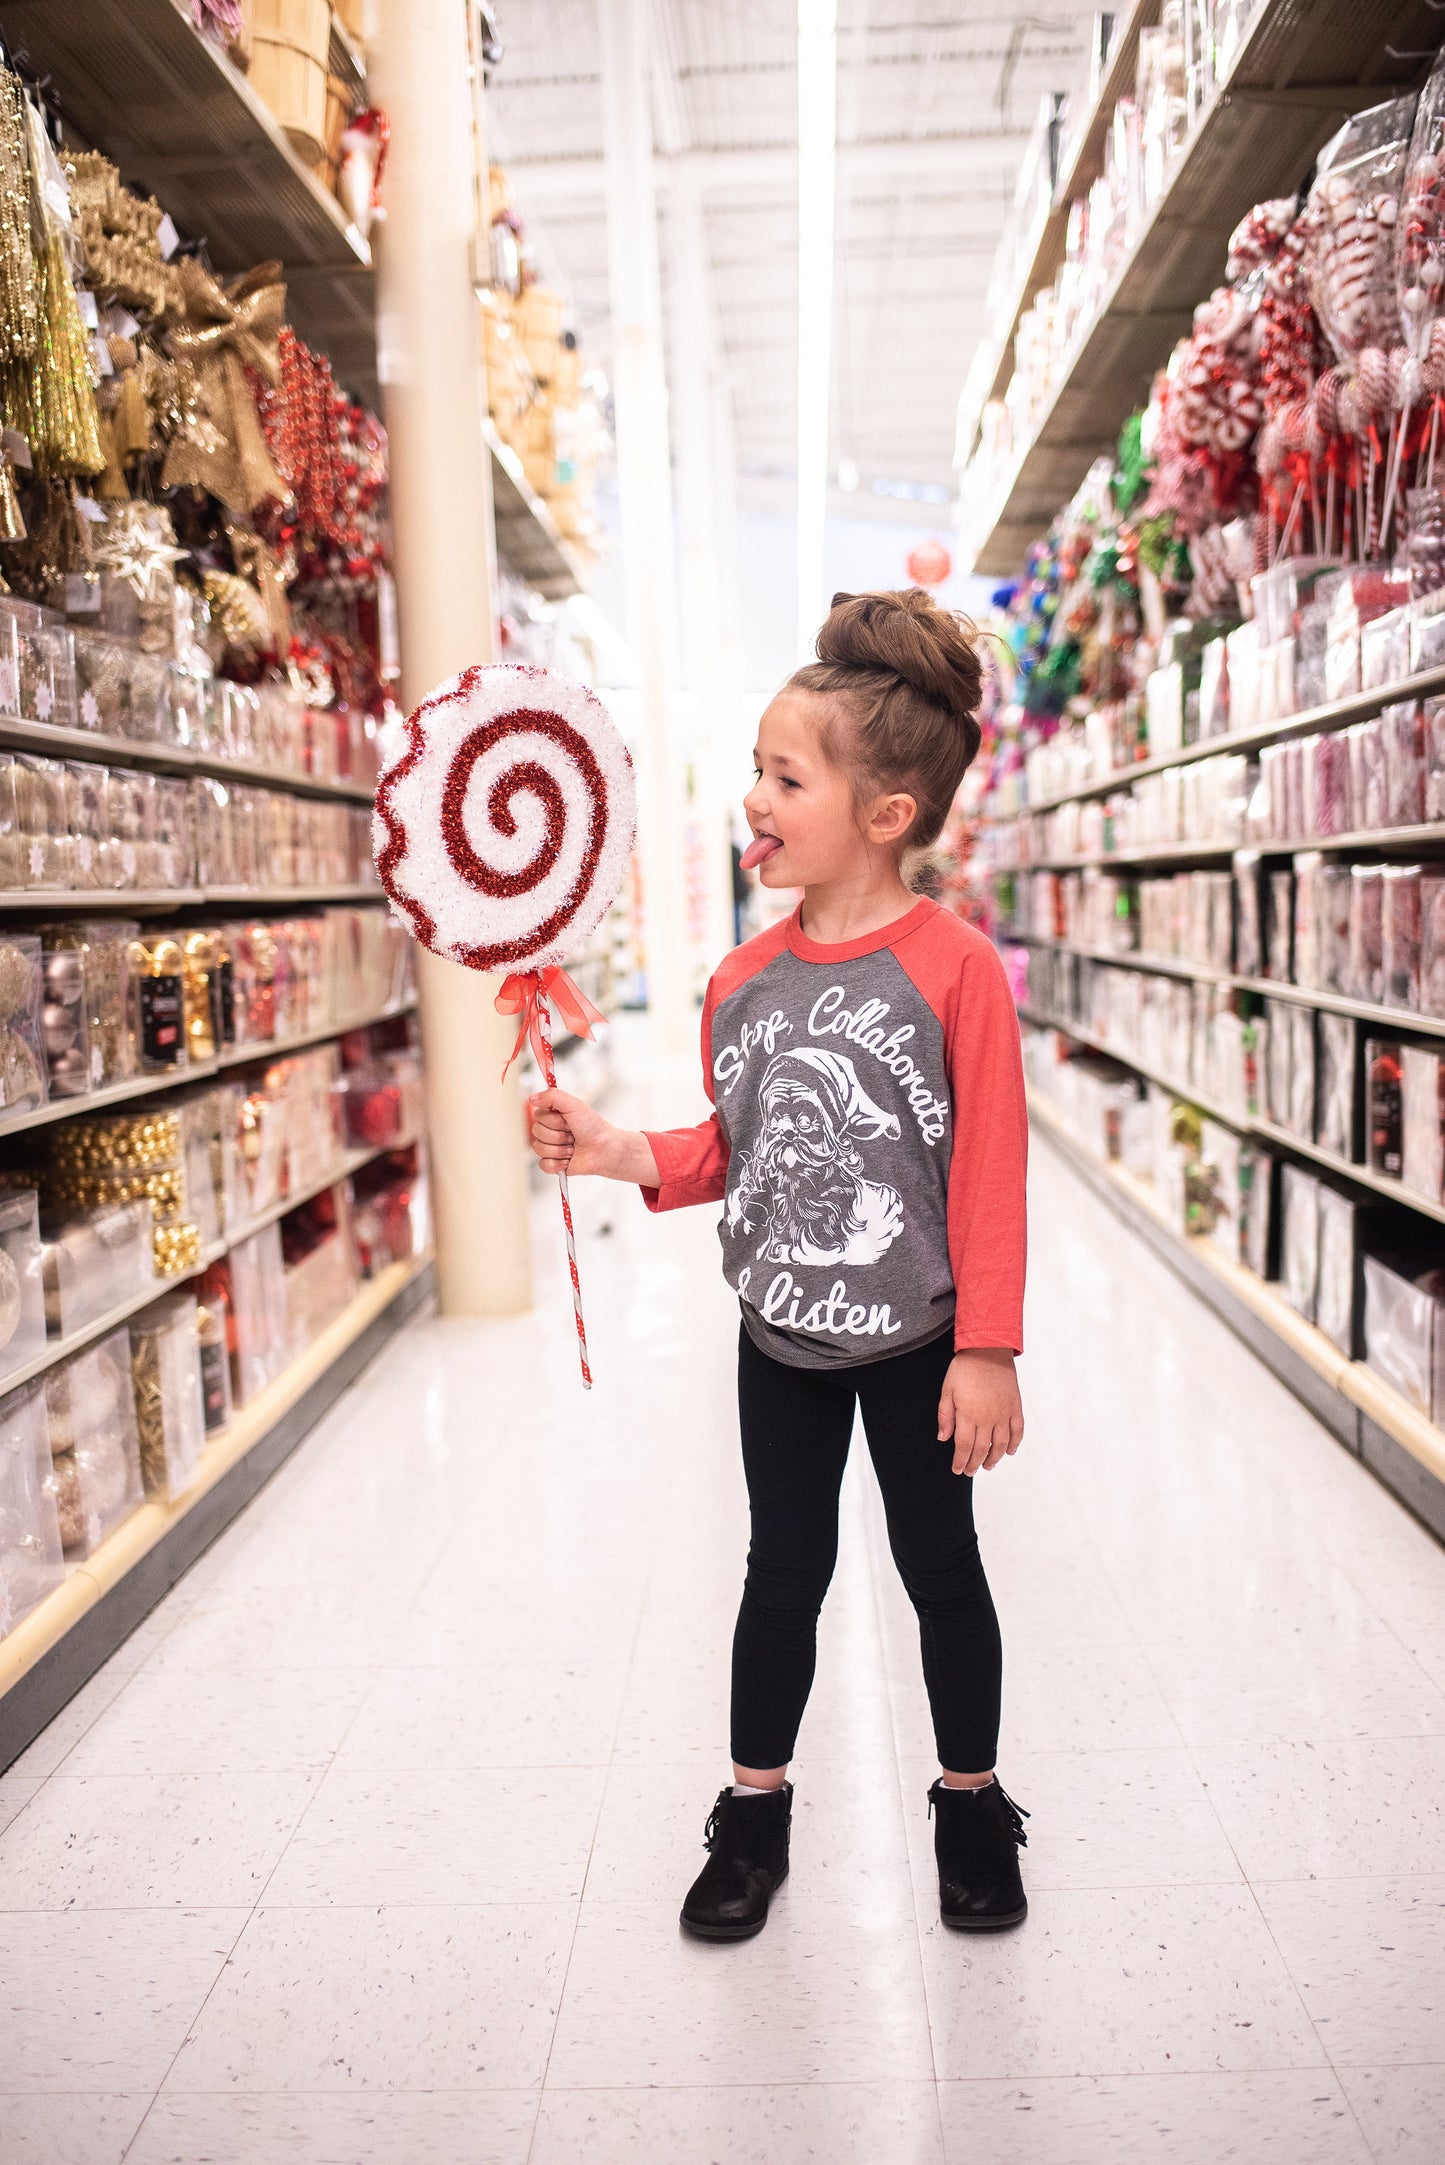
point(165, 1364)
point(93, 1442)
point(94, 1262)
point(22, 1295)
point(23, 1084)
point(32, 1563)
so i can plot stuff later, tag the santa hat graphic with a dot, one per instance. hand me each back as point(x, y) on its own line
point(832, 1081)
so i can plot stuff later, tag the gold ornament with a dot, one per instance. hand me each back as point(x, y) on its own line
point(223, 332)
point(133, 546)
point(19, 288)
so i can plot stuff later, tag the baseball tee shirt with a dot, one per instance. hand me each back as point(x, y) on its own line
point(868, 1140)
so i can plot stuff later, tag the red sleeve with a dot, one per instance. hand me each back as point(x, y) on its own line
point(987, 1218)
point(693, 1162)
point(964, 983)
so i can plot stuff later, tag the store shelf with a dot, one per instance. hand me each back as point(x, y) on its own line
point(528, 540)
point(271, 899)
point(60, 1349)
point(1241, 1123)
point(1285, 1339)
point(168, 759)
point(1083, 162)
point(1151, 965)
point(46, 1658)
point(1265, 1131)
point(144, 1086)
point(1381, 841)
point(95, 901)
point(1402, 1021)
point(1299, 71)
point(133, 78)
point(140, 901)
point(1335, 714)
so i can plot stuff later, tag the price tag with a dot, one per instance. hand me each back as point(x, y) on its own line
point(167, 238)
point(82, 598)
point(89, 313)
point(17, 449)
point(90, 509)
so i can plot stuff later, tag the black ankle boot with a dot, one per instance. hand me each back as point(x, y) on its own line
point(976, 1839)
point(748, 1838)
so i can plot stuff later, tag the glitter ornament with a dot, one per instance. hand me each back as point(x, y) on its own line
point(502, 834)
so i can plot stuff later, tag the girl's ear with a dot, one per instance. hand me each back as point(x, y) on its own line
point(892, 816)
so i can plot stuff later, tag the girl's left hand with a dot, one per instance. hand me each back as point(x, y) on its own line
point(981, 1408)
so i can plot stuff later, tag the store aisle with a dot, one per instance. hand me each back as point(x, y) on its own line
point(370, 1844)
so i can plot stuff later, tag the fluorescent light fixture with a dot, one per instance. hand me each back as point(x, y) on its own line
point(847, 475)
point(817, 144)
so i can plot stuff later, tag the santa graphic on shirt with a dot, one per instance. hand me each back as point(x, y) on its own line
point(803, 1188)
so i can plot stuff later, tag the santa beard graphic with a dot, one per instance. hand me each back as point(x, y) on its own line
point(802, 1188)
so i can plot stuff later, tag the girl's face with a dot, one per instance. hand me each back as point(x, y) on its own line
point(807, 803)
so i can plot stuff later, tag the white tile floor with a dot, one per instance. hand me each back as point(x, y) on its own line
point(369, 1845)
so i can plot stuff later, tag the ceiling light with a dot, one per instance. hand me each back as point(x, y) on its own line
point(817, 136)
point(847, 475)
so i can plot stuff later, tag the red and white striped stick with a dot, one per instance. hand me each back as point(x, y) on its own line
point(549, 1070)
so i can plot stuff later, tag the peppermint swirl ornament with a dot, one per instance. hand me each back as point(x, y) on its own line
point(502, 834)
point(503, 831)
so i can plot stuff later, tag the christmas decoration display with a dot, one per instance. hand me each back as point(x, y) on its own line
point(503, 832)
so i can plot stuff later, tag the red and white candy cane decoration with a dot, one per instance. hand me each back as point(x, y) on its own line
point(502, 834)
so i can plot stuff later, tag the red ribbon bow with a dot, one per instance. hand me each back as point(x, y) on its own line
point(523, 994)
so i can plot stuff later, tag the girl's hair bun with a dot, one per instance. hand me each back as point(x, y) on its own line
point(907, 635)
point(907, 676)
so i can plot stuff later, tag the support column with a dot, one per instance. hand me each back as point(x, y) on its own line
point(692, 352)
point(429, 353)
point(644, 485)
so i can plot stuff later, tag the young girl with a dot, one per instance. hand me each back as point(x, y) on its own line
point(868, 1146)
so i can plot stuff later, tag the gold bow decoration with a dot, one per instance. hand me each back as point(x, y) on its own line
point(224, 331)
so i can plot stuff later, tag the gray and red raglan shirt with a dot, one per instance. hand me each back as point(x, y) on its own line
point(868, 1140)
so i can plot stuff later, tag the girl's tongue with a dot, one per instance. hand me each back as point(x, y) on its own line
point(760, 850)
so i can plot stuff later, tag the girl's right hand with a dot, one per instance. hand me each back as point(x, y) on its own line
point(568, 1137)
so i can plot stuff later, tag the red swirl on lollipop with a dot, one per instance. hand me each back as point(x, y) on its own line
point(502, 834)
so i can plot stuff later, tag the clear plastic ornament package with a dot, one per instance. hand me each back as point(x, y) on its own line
point(1300, 1240)
point(95, 1262)
point(22, 1294)
point(1335, 1122)
point(93, 1442)
point(166, 1378)
point(1422, 1114)
point(32, 1563)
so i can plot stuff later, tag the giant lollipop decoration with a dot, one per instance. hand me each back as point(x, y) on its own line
point(502, 834)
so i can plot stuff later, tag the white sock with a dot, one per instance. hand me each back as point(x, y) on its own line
point(745, 1789)
point(975, 1786)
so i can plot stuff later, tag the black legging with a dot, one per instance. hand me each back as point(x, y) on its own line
point(796, 1427)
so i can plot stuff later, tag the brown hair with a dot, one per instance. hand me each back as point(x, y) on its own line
point(908, 676)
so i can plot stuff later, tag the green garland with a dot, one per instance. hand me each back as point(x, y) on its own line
point(1129, 470)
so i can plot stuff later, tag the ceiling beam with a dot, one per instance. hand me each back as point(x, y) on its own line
point(548, 181)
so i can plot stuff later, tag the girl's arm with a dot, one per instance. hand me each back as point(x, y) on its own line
point(672, 1166)
point(986, 1207)
point(980, 1407)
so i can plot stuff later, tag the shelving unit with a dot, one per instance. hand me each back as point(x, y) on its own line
point(1299, 71)
point(1266, 1131)
point(65, 1638)
point(134, 78)
point(527, 535)
point(144, 1086)
point(1083, 162)
point(1370, 1418)
point(1335, 714)
point(169, 759)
